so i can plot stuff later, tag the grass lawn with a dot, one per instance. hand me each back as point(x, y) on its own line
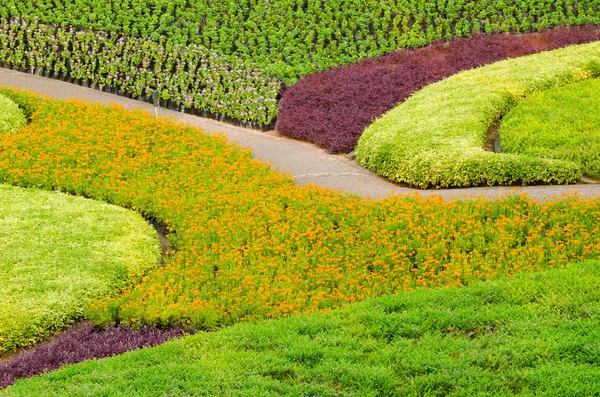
point(534, 333)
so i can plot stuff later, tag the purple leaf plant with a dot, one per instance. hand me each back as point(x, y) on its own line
point(78, 343)
point(333, 108)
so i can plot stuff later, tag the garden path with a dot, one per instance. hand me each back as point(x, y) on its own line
point(307, 163)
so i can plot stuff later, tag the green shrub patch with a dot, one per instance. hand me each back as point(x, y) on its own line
point(11, 116)
point(532, 334)
point(57, 252)
point(436, 137)
point(561, 123)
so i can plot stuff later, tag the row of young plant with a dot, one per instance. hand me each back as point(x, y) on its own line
point(436, 138)
point(250, 244)
point(333, 108)
point(560, 123)
point(294, 38)
point(190, 76)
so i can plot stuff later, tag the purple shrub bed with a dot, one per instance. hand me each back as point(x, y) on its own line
point(333, 108)
point(79, 343)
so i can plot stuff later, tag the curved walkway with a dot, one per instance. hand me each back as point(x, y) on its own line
point(307, 163)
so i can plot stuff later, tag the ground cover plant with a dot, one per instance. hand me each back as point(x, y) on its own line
point(436, 138)
point(59, 252)
point(250, 244)
point(532, 334)
point(78, 343)
point(11, 117)
point(334, 107)
point(560, 123)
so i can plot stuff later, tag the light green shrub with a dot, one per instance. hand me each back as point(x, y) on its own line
point(11, 117)
point(561, 123)
point(436, 137)
point(59, 252)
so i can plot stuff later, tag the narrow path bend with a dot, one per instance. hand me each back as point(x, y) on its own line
point(307, 163)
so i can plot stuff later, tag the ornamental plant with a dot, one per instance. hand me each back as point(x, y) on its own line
point(334, 107)
point(191, 76)
point(436, 138)
point(294, 38)
point(247, 243)
point(11, 116)
point(560, 123)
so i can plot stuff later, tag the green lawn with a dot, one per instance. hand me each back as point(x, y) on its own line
point(534, 333)
point(57, 252)
point(561, 123)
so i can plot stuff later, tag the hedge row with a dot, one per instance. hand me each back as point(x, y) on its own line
point(11, 116)
point(436, 137)
point(561, 123)
point(190, 76)
point(293, 38)
point(333, 108)
point(57, 253)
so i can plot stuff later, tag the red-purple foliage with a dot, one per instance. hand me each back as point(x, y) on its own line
point(333, 108)
point(77, 344)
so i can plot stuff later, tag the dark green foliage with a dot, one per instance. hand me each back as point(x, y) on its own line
point(293, 38)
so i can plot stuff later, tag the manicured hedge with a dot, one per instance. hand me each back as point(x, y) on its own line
point(292, 38)
point(59, 252)
point(11, 116)
point(251, 244)
point(189, 77)
point(333, 108)
point(561, 123)
point(436, 138)
point(532, 334)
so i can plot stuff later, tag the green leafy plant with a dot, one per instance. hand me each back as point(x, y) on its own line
point(532, 334)
point(561, 123)
point(11, 116)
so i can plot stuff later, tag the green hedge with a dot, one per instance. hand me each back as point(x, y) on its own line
point(561, 123)
point(436, 137)
point(57, 253)
point(293, 38)
point(11, 116)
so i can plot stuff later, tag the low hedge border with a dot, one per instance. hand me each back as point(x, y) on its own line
point(11, 116)
point(436, 137)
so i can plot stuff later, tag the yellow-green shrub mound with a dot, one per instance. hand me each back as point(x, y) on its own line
point(11, 117)
point(436, 138)
point(58, 252)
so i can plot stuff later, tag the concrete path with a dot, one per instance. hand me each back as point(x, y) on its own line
point(307, 163)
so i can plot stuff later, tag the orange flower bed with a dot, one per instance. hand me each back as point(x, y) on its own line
point(251, 244)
